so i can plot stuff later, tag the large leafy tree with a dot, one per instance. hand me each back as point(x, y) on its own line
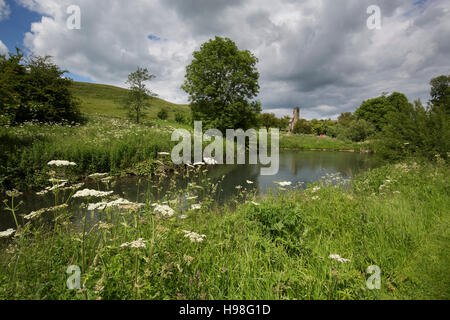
point(440, 93)
point(35, 89)
point(139, 96)
point(376, 110)
point(222, 82)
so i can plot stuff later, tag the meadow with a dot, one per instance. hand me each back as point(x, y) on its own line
point(313, 243)
point(108, 141)
point(303, 244)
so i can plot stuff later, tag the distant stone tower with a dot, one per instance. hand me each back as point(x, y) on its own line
point(295, 118)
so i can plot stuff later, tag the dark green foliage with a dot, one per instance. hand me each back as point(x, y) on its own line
point(180, 118)
point(221, 82)
point(35, 89)
point(346, 118)
point(269, 120)
point(356, 131)
point(163, 114)
point(440, 93)
point(375, 110)
point(415, 131)
point(302, 127)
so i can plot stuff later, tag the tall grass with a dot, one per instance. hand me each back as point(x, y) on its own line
point(395, 217)
point(295, 141)
point(102, 145)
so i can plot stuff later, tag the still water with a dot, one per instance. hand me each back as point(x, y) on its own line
point(298, 167)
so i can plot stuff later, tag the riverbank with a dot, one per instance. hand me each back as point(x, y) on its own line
point(313, 244)
point(106, 144)
point(290, 141)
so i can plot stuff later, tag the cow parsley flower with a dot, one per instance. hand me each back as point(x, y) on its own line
point(164, 210)
point(91, 193)
point(61, 163)
point(338, 258)
point(193, 236)
point(140, 243)
point(7, 233)
point(210, 161)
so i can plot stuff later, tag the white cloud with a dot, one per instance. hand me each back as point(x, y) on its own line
point(4, 10)
point(3, 48)
point(315, 54)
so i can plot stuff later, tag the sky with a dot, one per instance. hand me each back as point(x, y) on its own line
point(319, 55)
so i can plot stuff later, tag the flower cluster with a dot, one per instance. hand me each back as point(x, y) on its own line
point(91, 193)
point(7, 233)
point(193, 236)
point(164, 210)
point(61, 163)
point(140, 243)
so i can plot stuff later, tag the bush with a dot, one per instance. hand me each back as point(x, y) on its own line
point(163, 114)
point(180, 118)
point(302, 127)
point(34, 89)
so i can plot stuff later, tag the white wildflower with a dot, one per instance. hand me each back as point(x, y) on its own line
point(164, 210)
point(56, 180)
point(193, 236)
point(115, 203)
point(37, 213)
point(91, 193)
point(315, 198)
point(57, 186)
point(210, 161)
point(140, 243)
point(284, 183)
point(315, 189)
point(196, 207)
point(61, 163)
point(338, 258)
point(249, 182)
point(7, 233)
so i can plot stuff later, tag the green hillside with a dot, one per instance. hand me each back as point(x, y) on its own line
point(107, 100)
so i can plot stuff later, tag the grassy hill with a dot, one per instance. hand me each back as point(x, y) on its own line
point(107, 100)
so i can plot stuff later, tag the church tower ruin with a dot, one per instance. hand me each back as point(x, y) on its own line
point(295, 118)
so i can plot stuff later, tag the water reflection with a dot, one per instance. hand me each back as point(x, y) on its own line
point(295, 166)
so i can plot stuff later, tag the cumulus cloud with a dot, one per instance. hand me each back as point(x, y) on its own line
point(318, 55)
point(4, 10)
point(3, 48)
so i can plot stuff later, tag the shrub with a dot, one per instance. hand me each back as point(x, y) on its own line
point(35, 89)
point(180, 118)
point(163, 114)
point(302, 127)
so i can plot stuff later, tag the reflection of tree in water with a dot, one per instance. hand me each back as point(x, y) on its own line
point(344, 162)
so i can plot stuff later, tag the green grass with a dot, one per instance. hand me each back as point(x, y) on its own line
point(395, 217)
point(105, 100)
point(295, 141)
point(104, 144)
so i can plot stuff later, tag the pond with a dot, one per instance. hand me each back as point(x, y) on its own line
point(218, 183)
